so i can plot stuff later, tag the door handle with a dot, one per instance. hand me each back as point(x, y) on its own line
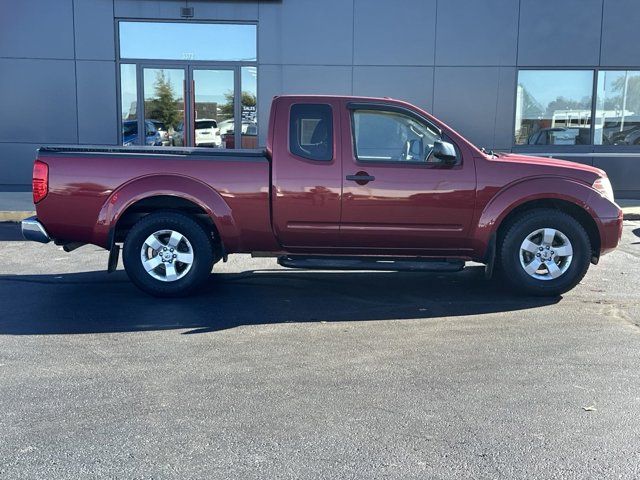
point(361, 178)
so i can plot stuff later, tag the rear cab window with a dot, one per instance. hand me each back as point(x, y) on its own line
point(311, 131)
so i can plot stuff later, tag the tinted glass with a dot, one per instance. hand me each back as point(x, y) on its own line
point(311, 131)
point(249, 80)
point(129, 128)
point(163, 105)
point(618, 108)
point(389, 136)
point(128, 101)
point(553, 107)
point(187, 41)
point(214, 96)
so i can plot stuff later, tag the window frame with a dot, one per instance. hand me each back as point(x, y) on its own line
point(571, 150)
point(353, 107)
point(331, 130)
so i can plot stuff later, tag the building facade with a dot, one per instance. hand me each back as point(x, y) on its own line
point(556, 78)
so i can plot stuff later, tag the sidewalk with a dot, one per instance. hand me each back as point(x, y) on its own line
point(630, 207)
point(14, 206)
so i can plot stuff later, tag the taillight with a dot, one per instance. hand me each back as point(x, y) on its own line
point(40, 180)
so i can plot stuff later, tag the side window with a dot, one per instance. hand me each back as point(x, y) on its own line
point(381, 136)
point(311, 131)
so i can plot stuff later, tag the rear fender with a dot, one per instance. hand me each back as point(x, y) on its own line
point(187, 188)
point(528, 190)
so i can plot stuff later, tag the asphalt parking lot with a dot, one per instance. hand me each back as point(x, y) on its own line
point(273, 373)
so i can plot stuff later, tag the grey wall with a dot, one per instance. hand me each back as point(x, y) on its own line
point(57, 82)
point(456, 58)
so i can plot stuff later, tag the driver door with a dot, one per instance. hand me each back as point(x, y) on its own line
point(396, 195)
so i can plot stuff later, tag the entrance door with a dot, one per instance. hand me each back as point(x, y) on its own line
point(187, 107)
point(163, 94)
point(213, 107)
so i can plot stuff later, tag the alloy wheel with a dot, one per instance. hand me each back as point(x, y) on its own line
point(167, 255)
point(546, 254)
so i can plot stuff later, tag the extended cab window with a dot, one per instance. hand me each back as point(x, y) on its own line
point(385, 136)
point(311, 131)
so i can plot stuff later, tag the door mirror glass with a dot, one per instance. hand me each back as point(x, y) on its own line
point(444, 151)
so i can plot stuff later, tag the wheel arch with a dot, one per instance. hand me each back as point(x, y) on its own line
point(151, 194)
point(561, 194)
point(578, 213)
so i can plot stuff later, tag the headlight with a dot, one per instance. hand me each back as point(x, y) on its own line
point(603, 186)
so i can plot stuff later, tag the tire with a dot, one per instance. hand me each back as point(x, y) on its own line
point(526, 263)
point(177, 251)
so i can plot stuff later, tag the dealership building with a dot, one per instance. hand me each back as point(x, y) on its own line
point(557, 78)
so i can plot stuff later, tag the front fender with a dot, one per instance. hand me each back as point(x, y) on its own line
point(528, 190)
point(191, 189)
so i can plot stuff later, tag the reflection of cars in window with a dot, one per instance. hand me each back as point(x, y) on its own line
point(130, 133)
point(177, 139)
point(621, 131)
point(249, 132)
point(206, 133)
point(163, 131)
point(561, 136)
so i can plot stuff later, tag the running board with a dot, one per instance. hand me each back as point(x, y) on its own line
point(401, 264)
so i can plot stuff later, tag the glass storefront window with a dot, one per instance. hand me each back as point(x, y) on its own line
point(128, 104)
point(163, 105)
point(188, 41)
point(213, 104)
point(618, 108)
point(553, 107)
point(249, 131)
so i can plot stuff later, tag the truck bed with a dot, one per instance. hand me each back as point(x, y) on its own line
point(87, 184)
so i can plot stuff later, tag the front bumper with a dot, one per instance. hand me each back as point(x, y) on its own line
point(34, 231)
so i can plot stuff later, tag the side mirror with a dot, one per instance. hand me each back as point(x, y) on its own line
point(444, 151)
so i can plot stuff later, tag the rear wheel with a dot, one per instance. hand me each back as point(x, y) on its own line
point(168, 254)
point(546, 253)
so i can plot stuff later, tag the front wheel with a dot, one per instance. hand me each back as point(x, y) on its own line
point(546, 253)
point(168, 254)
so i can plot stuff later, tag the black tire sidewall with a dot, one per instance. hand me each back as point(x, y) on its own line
point(514, 273)
point(203, 256)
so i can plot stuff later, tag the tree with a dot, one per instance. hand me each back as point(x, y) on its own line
point(163, 106)
point(562, 103)
point(633, 93)
point(248, 99)
point(531, 108)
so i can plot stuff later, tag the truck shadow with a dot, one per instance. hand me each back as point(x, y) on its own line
point(96, 302)
point(10, 232)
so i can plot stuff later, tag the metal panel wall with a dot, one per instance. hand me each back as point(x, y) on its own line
point(97, 102)
point(457, 58)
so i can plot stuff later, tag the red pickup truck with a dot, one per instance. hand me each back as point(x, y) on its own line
point(344, 183)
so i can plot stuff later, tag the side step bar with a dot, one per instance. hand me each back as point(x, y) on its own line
point(401, 264)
